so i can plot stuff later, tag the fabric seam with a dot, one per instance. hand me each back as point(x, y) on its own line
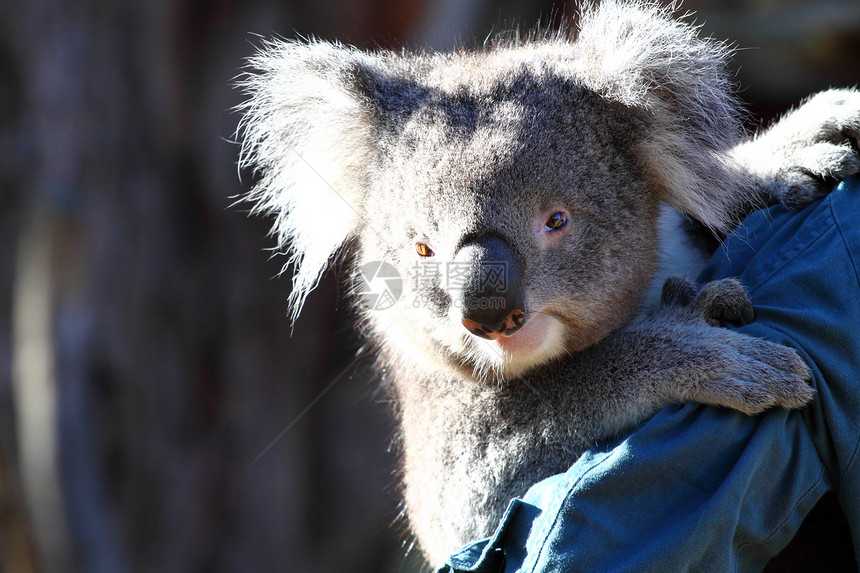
point(789, 260)
point(558, 511)
point(833, 213)
point(776, 530)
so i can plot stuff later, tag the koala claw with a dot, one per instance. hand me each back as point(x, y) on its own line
point(815, 146)
point(725, 301)
point(820, 166)
point(763, 375)
point(744, 373)
point(755, 398)
point(726, 367)
point(678, 291)
point(717, 302)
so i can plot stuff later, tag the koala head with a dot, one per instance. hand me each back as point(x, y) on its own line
point(514, 190)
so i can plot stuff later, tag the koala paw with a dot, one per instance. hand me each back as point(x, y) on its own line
point(718, 302)
point(814, 147)
point(726, 367)
point(819, 167)
point(752, 375)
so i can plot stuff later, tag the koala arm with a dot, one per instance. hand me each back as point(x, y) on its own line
point(511, 436)
point(679, 355)
point(798, 158)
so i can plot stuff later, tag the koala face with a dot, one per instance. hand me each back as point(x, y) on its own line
point(516, 219)
point(514, 189)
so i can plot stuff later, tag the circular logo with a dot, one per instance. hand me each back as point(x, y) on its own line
point(379, 284)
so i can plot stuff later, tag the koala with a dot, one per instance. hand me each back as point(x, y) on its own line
point(533, 196)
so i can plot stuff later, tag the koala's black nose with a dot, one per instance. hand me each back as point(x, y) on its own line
point(488, 272)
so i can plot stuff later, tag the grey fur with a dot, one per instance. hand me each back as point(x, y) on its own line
point(799, 158)
point(380, 150)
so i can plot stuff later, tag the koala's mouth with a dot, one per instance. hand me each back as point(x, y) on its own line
point(536, 341)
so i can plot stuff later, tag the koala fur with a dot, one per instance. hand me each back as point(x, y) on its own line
point(624, 131)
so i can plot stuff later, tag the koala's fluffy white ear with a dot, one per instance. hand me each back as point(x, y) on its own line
point(634, 52)
point(307, 133)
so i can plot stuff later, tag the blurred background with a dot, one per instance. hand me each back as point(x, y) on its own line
point(157, 413)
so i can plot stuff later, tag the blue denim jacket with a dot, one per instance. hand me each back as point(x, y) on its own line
point(700, 488)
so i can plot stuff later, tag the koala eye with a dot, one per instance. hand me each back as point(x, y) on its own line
point(424, 249)
point(556, 221)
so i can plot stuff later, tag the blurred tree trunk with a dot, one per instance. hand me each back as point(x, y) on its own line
point(166, 364)
point(18, 553)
